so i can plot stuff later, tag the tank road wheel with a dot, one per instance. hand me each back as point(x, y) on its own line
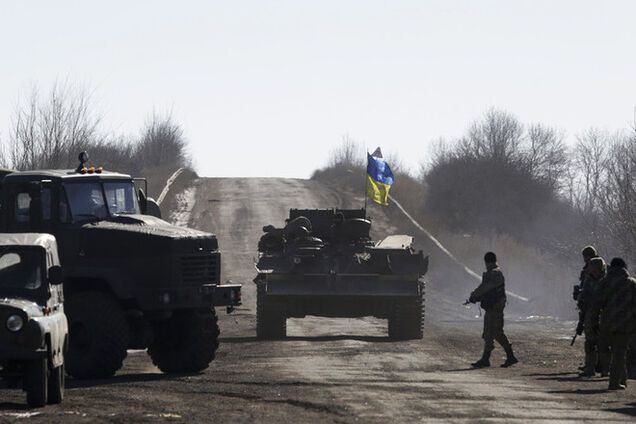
point(187, 342)
point(271, 319)
point(98, 335)
point(36, 386)
point(56, 385)
point(406, 320)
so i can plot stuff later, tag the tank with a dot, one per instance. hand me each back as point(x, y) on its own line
point(322, 262)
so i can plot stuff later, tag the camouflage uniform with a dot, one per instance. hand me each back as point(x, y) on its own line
point(618, 320)
point(588, 302)
point(491, 293)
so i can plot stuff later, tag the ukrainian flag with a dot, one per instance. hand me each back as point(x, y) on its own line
point(379, 180)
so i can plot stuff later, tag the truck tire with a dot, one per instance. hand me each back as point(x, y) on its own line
point(187, 342)
point(271, 319)
point(37, 373)
point(56, 386)
point(98, 335)
point(406, 320)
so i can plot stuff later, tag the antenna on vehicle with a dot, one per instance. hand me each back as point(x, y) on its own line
point(83, 158)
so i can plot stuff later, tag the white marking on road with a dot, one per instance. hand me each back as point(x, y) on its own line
point(166, 189)
point(446, 251)
point(185, 202)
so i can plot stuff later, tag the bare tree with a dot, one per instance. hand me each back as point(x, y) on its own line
point(590, 161)
point(48, 131)
point(618, 196)
point(546, 154)
point(163, 143)
point(349, 154)
point(498, 135)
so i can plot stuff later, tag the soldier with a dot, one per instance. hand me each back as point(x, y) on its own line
point(588, 303)
point(588, 253)
point(618, 318)
point(491, 293)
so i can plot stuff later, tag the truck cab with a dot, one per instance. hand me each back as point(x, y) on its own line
point(34, 330)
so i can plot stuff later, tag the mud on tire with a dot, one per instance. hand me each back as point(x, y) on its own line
point(406, 320)
point(271, 319)
point(98, 335)
point(187, 342)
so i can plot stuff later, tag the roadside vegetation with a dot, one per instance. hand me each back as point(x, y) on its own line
point(517, 189)
point(49, 129)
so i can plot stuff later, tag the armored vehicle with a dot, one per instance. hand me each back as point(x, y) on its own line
point(34, 330)
point(324, 263)
point(131, 280)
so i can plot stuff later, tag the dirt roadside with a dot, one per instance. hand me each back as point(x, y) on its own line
point(338, 370)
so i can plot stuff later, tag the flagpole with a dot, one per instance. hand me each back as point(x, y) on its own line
point(365, 185)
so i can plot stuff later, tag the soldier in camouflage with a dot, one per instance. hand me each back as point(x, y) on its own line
point(491, 294)
point(618, 318)
point(588, 301)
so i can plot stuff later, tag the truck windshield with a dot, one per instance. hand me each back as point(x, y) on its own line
point(20, 269)
point(100, 199)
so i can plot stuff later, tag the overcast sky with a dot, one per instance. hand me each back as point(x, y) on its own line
point(267, 88)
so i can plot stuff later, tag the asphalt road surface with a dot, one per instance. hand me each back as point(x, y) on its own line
point(331, 370)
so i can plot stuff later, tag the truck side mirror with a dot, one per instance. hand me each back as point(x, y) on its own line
point(152, 208)
point(56, 276)
point(143, 201)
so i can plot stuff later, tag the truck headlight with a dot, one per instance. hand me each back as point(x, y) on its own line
point(15, 323)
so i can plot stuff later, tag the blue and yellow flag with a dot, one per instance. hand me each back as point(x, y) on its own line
point(379, 179)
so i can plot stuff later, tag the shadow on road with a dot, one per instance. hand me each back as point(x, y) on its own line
point(124, 379)
point(11, 406)
point(629, 409)
point(579, 392)
point(254, 339)
point(549, 374)
point(565, 377)
point(462, 369)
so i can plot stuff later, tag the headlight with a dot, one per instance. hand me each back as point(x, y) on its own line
point(15, 323)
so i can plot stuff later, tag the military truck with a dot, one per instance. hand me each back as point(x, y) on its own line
point(132, 280)
point(34, 332)
point(324, 263)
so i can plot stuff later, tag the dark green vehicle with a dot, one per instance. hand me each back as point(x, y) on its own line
point(34, 329)
point(324, 263)
point(131, 280)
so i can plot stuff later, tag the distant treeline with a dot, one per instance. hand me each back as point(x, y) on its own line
point(48, 130)
point(504, 177)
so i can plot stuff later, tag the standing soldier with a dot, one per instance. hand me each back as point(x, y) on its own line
point(491, 293)
point(618, 318)
point(588, 302)
point(588, 253)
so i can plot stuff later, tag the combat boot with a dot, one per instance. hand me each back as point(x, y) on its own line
point(510, 358)
point(484, 362)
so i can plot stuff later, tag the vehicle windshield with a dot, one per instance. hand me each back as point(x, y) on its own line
point(20, 269)
point(100, 199)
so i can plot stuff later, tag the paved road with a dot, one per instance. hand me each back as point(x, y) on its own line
point(339, 370)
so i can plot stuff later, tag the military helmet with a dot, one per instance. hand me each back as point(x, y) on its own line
point(589, 252)
point(490, 258)
point(618, 263)
point(597, 263)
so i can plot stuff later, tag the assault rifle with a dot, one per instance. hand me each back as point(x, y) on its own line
point(579, 327)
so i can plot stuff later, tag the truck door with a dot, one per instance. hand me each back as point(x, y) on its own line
point(29, 208)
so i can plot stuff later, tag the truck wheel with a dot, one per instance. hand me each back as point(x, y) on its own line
point(98, 335)
point(56, 385)
point(187, 342)
point(36, 382)
point(406, 320)
point(271, 319)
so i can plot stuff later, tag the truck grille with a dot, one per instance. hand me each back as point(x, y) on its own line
point(200, 269)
